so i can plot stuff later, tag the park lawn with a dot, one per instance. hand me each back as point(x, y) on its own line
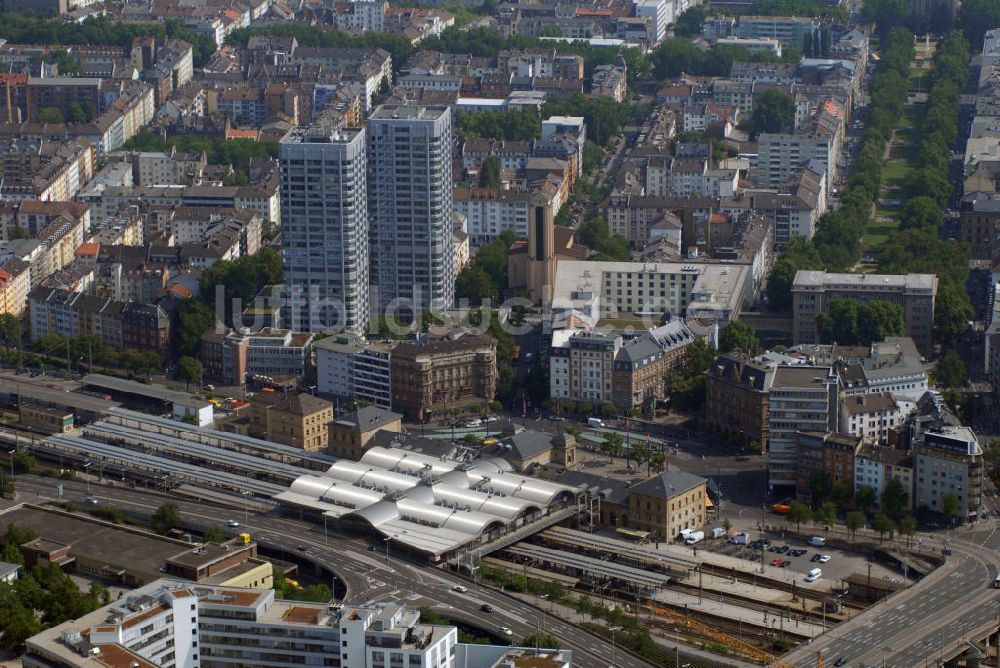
point(895, 172)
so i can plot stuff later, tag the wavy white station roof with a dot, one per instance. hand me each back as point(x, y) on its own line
point(433, 505)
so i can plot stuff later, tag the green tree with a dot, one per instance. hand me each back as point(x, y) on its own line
point(864, 498)
point(879, 320)
point(921, 212)
point(894, 498)
point(689, 23)
point(819, 485)
point(773, 111)
point(194, 318)
point(50, 115)
point(492, 257)
point(950, 505)
point(952, 312)
point(476, 285)
point(798, 254)
point(950, 371)
point(489, 173)
point(739, 335)
point(908, 527)
point(613, 445)
point(854, 520)
point(594, 233)
point(883, 525)
point(166, 517)
point(798, 513)
point(827, 514)
point(10, 329)
point(190, 370)
point(839, 323)
point(214, 535)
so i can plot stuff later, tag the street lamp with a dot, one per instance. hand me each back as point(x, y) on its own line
point(613, 646)
point(12, 453)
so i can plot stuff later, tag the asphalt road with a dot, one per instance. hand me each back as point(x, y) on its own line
point(922, 623)
point(368, 575)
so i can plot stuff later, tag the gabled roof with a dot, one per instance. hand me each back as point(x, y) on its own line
point(668, 485)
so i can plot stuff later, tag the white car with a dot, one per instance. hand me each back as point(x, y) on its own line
point(506, 631)
point(823, 558)
point(460, 589)
point(232, 523)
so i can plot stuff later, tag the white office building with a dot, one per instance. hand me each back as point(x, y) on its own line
point(167, 623)
point(324, 214)
point(410, 204)
point(348, 369)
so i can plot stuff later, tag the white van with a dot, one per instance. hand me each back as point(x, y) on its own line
point(814, 575)
point(817, 541)
point(595, 422)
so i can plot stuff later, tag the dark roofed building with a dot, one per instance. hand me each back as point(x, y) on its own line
point(662, 505)
point(736, 399)
point(351, 434)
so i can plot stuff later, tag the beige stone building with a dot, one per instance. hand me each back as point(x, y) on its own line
point(298, 420)
point(350, 434)
point(663, 505)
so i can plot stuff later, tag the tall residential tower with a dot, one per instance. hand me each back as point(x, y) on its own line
point(410, 203)
point(324, 217)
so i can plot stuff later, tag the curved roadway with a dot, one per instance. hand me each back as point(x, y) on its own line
point(368, 575)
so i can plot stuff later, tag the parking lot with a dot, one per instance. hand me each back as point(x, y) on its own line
point(795, 559)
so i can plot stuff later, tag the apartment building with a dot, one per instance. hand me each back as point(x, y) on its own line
point(634, 216)
point(325, 230)
point(780, 155)
point(491, 211)
point(121, 325)
point(948, 460)
point(410, 207)
point(824, 453)
point(802, 398)
point(47, 171)
point(157, 168)
point(429, 376)
point(915, 293)
point(736, 399)
point(188, 625)
point(299, 420)
point(875, 466)
point(871, 417)
point(350, 369)
point(15, 283)
point(692, 289)
point(626, 369)
point(611, 80)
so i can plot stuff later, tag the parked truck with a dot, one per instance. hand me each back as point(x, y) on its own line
point(694, 537)
point(740, 539)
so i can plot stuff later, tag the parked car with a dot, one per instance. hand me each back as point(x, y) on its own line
point(824, 558)
point(815, 558)
point(786, 563)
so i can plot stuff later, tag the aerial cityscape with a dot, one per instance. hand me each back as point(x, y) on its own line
point(499, 333)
